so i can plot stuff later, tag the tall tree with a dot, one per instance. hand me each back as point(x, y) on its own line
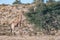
point(17, 2)
point(51, 0)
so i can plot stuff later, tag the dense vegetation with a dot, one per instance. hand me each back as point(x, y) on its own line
point(46, 16)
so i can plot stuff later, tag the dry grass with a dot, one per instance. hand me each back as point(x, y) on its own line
point(30, 37)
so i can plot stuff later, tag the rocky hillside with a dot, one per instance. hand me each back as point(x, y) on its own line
point(14, 15)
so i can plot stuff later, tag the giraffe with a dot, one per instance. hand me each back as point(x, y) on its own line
point(16, 22)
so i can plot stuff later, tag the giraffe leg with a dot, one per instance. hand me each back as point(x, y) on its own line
point(12, 29)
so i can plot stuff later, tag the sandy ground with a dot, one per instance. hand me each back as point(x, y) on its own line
point(30, 38)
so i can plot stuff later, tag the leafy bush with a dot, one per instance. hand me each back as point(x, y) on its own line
point(46, 16)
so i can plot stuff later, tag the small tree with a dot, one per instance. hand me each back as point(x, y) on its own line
point(36, 1)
